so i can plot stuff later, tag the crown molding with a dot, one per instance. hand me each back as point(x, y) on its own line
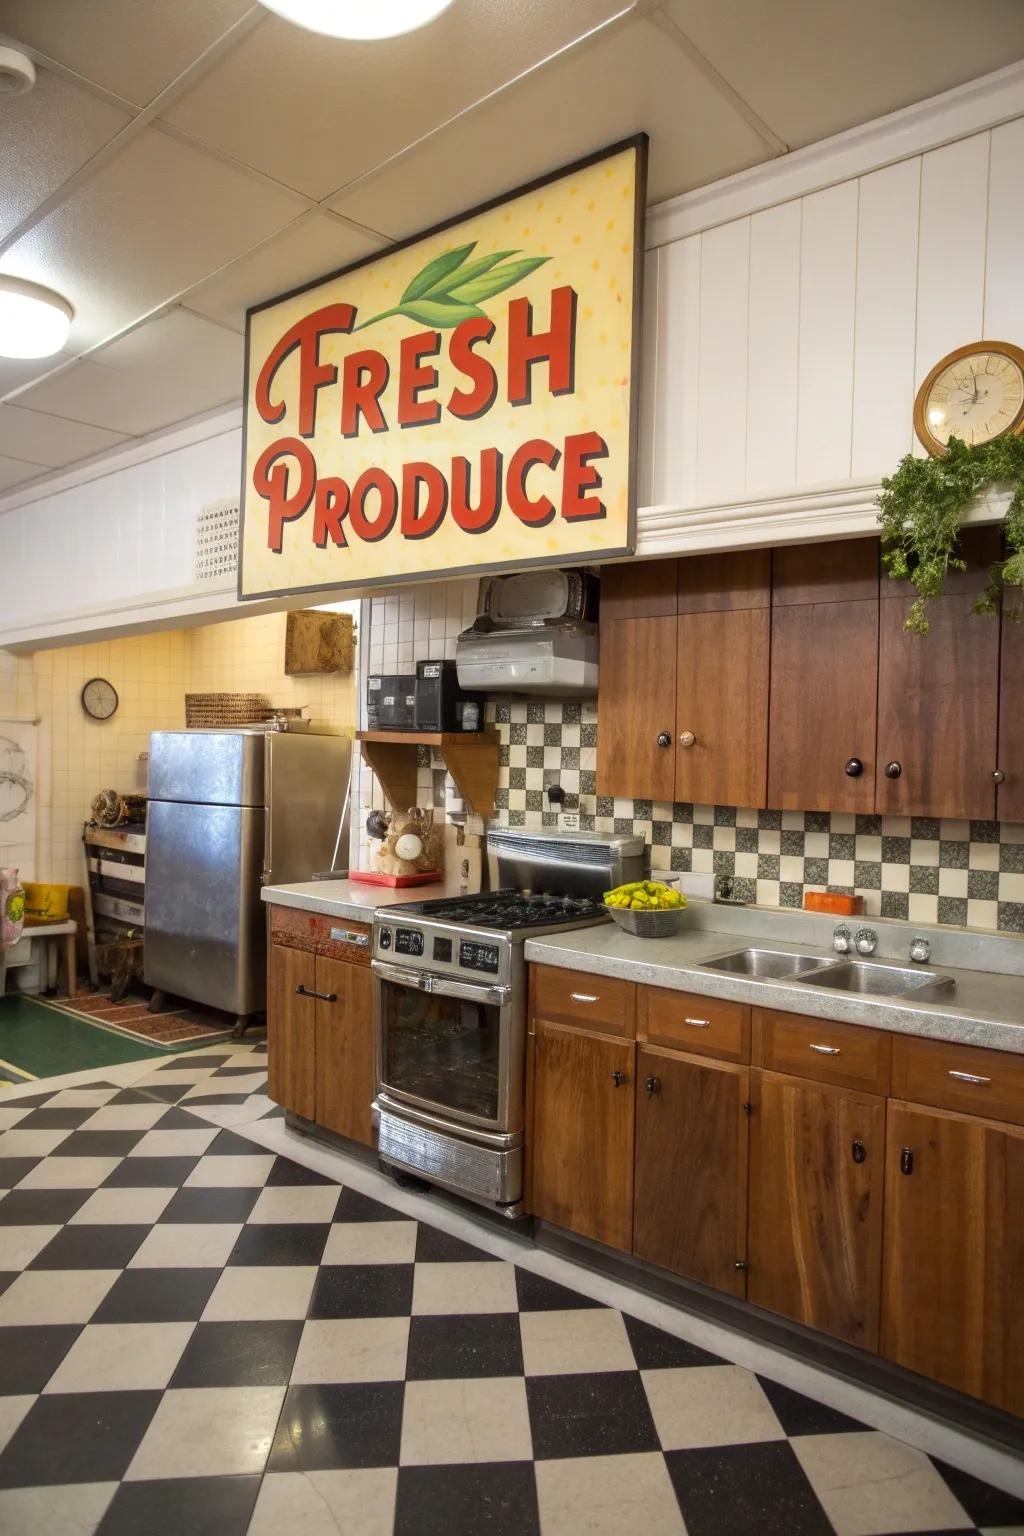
point(972, 108)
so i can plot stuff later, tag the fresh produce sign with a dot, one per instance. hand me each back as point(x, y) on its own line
point(463, 401)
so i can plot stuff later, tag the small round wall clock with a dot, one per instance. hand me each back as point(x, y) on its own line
point(99, 698)
point(975, 394)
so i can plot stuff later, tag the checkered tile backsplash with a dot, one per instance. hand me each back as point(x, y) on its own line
point(968, 873)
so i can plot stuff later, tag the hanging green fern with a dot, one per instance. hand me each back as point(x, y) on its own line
point(921, 511)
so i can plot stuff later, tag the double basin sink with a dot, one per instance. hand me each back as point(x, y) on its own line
point(867, 978)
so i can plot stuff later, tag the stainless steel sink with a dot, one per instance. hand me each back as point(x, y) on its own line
point(879, 980)
point(768, 964)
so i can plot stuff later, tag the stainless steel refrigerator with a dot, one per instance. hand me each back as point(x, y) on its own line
point(229, 812)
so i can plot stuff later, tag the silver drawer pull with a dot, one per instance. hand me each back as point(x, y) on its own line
point(698, 1023)
point(969, 1077)
point(826, 1050)
point(584, 997)
point(347, 936)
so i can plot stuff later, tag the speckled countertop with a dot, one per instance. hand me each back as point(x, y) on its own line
point(987, 1007)
point(347, 898)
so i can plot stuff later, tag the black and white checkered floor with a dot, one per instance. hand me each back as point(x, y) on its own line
point(199, 1335)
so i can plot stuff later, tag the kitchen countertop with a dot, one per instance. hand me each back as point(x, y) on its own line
point(348, 898)
point(987, 1008)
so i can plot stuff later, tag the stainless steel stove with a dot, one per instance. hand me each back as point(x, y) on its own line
point(450, 1007)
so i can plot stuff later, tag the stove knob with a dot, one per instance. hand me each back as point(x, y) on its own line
point(385, 938)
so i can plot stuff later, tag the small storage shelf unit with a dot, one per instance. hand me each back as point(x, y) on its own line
point(471, 757)
point(115, 861)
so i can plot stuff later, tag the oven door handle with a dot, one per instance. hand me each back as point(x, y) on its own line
point(441, 986)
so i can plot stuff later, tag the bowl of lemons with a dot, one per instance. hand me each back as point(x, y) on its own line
point(646, 908)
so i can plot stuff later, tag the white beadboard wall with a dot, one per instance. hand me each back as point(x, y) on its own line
point(781, 351)
point(791, 342)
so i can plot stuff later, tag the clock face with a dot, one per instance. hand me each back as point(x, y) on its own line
point(975, 394)
point(99, 698)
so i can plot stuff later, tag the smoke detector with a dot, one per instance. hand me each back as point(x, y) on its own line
point(17, 72)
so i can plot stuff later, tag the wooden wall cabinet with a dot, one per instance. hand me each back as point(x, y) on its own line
point(683, 700)
point(938, 697)
point(320, 1061)
point(824, 677)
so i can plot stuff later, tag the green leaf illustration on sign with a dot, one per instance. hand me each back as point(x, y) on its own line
point(451, 288)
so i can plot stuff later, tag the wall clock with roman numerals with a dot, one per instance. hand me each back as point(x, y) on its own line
point(975, 393)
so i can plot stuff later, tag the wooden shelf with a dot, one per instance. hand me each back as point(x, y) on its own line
point(430, 738)
point(471, 757)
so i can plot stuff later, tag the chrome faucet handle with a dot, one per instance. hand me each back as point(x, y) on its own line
point(920, 949)
point(866, 940)
point(841, 939)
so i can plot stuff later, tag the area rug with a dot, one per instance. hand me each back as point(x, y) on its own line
point(170, 1030)
point(40, 1040)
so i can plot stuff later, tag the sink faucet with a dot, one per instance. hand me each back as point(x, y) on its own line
point(866, 940)
point(920, 949)
point(841, 939)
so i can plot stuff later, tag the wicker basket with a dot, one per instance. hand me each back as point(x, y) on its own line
point(648, 925)
point(206, 710)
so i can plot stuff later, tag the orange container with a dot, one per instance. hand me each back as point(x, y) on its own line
point(833, 901)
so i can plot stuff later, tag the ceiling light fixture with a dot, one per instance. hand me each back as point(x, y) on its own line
point(34, 321)
point(359, 19)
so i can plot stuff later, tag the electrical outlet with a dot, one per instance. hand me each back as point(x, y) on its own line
point(568, 821)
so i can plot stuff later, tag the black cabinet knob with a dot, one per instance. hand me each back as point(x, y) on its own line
point(859, 1152)
point(664, 738)
point(653, 1085)
point(906, 1160)
point(618, 1078)
point(854, 768)
point(893, 770)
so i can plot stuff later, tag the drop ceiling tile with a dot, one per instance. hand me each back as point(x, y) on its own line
point(315, 244)
point(632, 79)
point(167, 370)
point(130, 48)
point(361, 102)
point(47, 135)
point(153, 221)
point(14, 471)
point(50, 440)
point(813, 70)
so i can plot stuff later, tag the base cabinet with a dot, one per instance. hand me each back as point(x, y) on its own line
point(954, 1252)
point(291, 1029)
point(816, 1182)
point(320, 1061)
point(690, 1200)
point(583, 1132)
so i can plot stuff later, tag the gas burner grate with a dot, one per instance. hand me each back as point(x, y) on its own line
point(510, 909)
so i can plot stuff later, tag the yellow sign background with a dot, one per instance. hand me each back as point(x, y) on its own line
point(586, 222)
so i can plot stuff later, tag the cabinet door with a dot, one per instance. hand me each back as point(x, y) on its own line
point(583, 1133)
point(1010, 794)
point(817, 1158)
point(636, 710)
point(344, 1049)
point(638, 589)
point(824, 677)
point(954, 1252)
point(938, 697)
point(690, 1201)
point(291, 1030)
point(722, 646)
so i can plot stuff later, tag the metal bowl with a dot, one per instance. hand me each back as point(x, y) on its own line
point(648, 925)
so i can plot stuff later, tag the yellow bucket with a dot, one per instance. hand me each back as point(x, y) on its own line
point(46, 903)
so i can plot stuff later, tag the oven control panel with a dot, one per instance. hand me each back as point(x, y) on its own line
point(474, 956)
point(408, 941)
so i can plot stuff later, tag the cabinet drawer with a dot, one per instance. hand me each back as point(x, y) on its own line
point(702, 1026)
point(968, 1078)
point(602, 1003)
point(338, 938)
point(827, 1052)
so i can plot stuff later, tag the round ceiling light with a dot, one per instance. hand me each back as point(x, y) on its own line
point(359, 19)
point(34, 321)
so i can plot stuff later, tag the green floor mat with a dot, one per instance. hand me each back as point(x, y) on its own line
point(44, 1042)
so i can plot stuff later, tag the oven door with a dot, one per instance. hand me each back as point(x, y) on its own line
point(448, 1047)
